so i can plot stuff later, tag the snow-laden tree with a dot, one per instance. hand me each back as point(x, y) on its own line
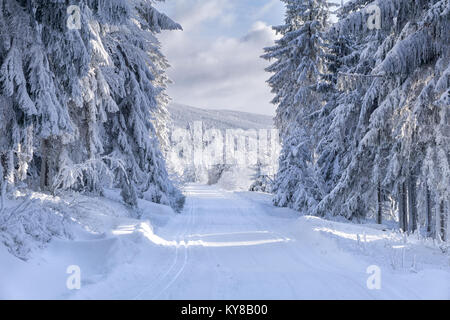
point(335, 123)
point(362, 178)
point(263, 179)
point(299, 58)
point(414, 113)
point(342, 160)
point(41, 63)
point(296, 184)
point(298, 62)
point(79, 102)
point(400, 114)
point(161, 116)
point(382, 135)
point(137, 84)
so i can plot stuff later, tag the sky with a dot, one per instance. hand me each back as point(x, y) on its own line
point(215, 61)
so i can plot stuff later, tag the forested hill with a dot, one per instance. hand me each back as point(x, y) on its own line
point(183, 115)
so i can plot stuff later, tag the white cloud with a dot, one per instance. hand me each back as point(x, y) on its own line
point(211, 70)
point(191, 14)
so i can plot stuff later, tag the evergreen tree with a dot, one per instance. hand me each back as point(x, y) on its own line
point(380, 130)
point(299, 55)
point(79, 102)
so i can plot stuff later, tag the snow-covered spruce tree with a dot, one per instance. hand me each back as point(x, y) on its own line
point(263, 180)
point(336, 121)
point(40, 66)
point(50, 61)
point(137, 84)
point(402, 104)
point(299, 56)
point(298, 64)
point(161, 117)
point(296, 185)
point(60, 88)
point(350, 60)
point(399, 113)
point(125, 97)
point(82, 164)
point(416, 69)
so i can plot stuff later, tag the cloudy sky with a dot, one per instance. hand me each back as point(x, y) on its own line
point(215, 60)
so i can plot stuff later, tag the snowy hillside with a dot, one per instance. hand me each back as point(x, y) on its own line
point(183, 115)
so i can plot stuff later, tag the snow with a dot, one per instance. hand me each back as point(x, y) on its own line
point(237, 179)
point(219, 146)
point(224, 245)
point(362, 115)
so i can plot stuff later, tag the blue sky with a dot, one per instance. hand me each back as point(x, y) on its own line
point(215, 60)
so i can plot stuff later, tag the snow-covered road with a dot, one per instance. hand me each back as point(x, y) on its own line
point(233, 248)
point(229, 245)
point(232, 245)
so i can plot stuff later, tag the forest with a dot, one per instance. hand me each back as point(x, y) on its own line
point(99, 167)
point(363, 111)
point(84, 108)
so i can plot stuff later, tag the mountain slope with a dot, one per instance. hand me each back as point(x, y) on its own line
point(183, 115)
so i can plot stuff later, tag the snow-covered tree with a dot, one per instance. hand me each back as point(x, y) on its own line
point(137, 85)
point(79, 102)
point(381, 134)
point(263, 179)
point(403, 103)
point(296, 83)
point(342, 160)
point(296, 184)
point(385, 156)
point(298, 54)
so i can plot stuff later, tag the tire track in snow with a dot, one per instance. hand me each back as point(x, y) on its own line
point(183, 244)
point(160, 280)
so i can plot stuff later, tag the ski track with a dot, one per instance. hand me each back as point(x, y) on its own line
point(226, 245)
point(185, 251)
point(173, 272)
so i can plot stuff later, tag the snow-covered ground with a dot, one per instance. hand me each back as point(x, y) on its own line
point(224, 245)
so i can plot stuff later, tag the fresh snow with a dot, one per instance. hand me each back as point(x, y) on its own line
point(224, 245)
point(213, 133)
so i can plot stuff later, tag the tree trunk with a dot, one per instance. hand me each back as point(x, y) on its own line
point(2, 186)
point(429, 214)
point(402, 208)
point(9, 174)
point(44, 166)
point(443, 221)
point(2, 196)
point(412, 209)
point(380, 204)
